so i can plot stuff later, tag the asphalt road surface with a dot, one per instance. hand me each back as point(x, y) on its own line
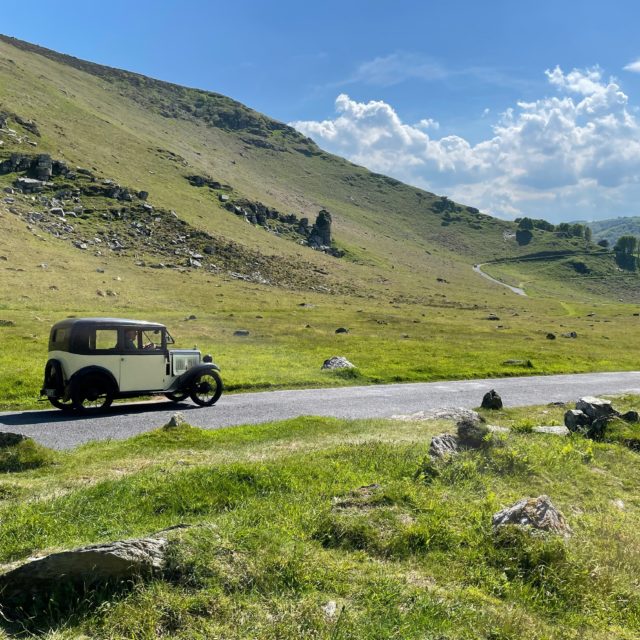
point(56, 429)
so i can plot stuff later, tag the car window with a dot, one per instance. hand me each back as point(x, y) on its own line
point(105, 339)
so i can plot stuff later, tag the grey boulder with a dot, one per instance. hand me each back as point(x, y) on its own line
point(535, 513)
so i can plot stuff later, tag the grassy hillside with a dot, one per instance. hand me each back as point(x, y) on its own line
point(613, 228)
point(321, 528)
point(143, 241)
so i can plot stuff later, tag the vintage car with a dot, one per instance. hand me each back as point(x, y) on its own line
point(92, 361)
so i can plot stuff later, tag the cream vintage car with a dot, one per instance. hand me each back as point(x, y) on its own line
point(93, 361)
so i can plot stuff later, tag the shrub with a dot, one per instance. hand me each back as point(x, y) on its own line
point(27, 454)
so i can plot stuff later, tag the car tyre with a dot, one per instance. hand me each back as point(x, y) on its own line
point(59, 403)
point(177, 396)
point(206, 388)
point(93, 394)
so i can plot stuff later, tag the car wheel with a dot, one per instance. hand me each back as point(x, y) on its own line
point(58, 403)
point(93, 394)
point(178, 396)
point(206, 389)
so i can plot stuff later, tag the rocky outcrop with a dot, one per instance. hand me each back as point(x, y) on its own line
point(320, 235)
point(533, 513)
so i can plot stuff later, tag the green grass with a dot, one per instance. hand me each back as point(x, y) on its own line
point(282, 532)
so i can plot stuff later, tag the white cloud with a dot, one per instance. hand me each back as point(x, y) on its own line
point(574, 154)
point(633, 66)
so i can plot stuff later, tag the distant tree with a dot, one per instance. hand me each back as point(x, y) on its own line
point(577, 230)
point(604, 243)
point(626, 245)
point(624, 249)
point(588, 234)
point(525, 224)
point(563, 229)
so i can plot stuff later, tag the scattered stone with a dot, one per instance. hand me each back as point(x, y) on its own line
point(100, 293)
point(443, 446)
point(472, 433)
point(330, 609)
point(337, 362)
point(551, 336)
point(518, 363)
point(577, 421)
point(342, 330)
point(618, 504)
point(241, 332)
point(491, 400)
point(85, 567)
point(7, 323)
point(630, 416)
point(570, 334)
point(8, 439)
point(176, 420)
point(492, 316)
point(596, 407)
point(536, 513)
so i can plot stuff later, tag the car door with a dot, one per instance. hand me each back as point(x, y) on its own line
point(143, 369)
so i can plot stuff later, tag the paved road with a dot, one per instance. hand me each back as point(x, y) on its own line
point(58, 430)
point(478, 269)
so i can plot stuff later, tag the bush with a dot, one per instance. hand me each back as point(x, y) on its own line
point(24, 455)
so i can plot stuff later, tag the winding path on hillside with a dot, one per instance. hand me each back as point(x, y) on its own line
point(478, 269)
point(55, 429)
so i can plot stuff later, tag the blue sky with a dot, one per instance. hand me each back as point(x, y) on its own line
point(518, 108)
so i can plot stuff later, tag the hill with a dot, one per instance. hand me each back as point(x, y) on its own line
point(613, 228)
point(166, 202)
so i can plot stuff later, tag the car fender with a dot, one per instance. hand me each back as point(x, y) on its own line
point(55, 380)
point(79, 375)
point(183, 381)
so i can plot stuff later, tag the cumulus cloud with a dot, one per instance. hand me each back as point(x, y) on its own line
point(574, 153)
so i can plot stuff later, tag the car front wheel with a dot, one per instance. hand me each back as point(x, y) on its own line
point(93, 394)
point(206, 389)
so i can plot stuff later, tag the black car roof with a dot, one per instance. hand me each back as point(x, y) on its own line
point(121, 322)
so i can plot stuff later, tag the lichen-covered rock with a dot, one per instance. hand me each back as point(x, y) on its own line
point(443, 446)
point(337, 362)
point(537, 513)
point(176, 420)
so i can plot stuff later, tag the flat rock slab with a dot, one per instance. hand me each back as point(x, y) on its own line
point(554, 430)
point(446, 413)
point(92, 565)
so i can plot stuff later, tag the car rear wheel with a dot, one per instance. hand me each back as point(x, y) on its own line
point(178, 396)
point(93, 394)
point(59, 403)
point(206, 389)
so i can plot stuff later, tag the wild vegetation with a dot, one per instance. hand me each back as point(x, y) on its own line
point(284, 543)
